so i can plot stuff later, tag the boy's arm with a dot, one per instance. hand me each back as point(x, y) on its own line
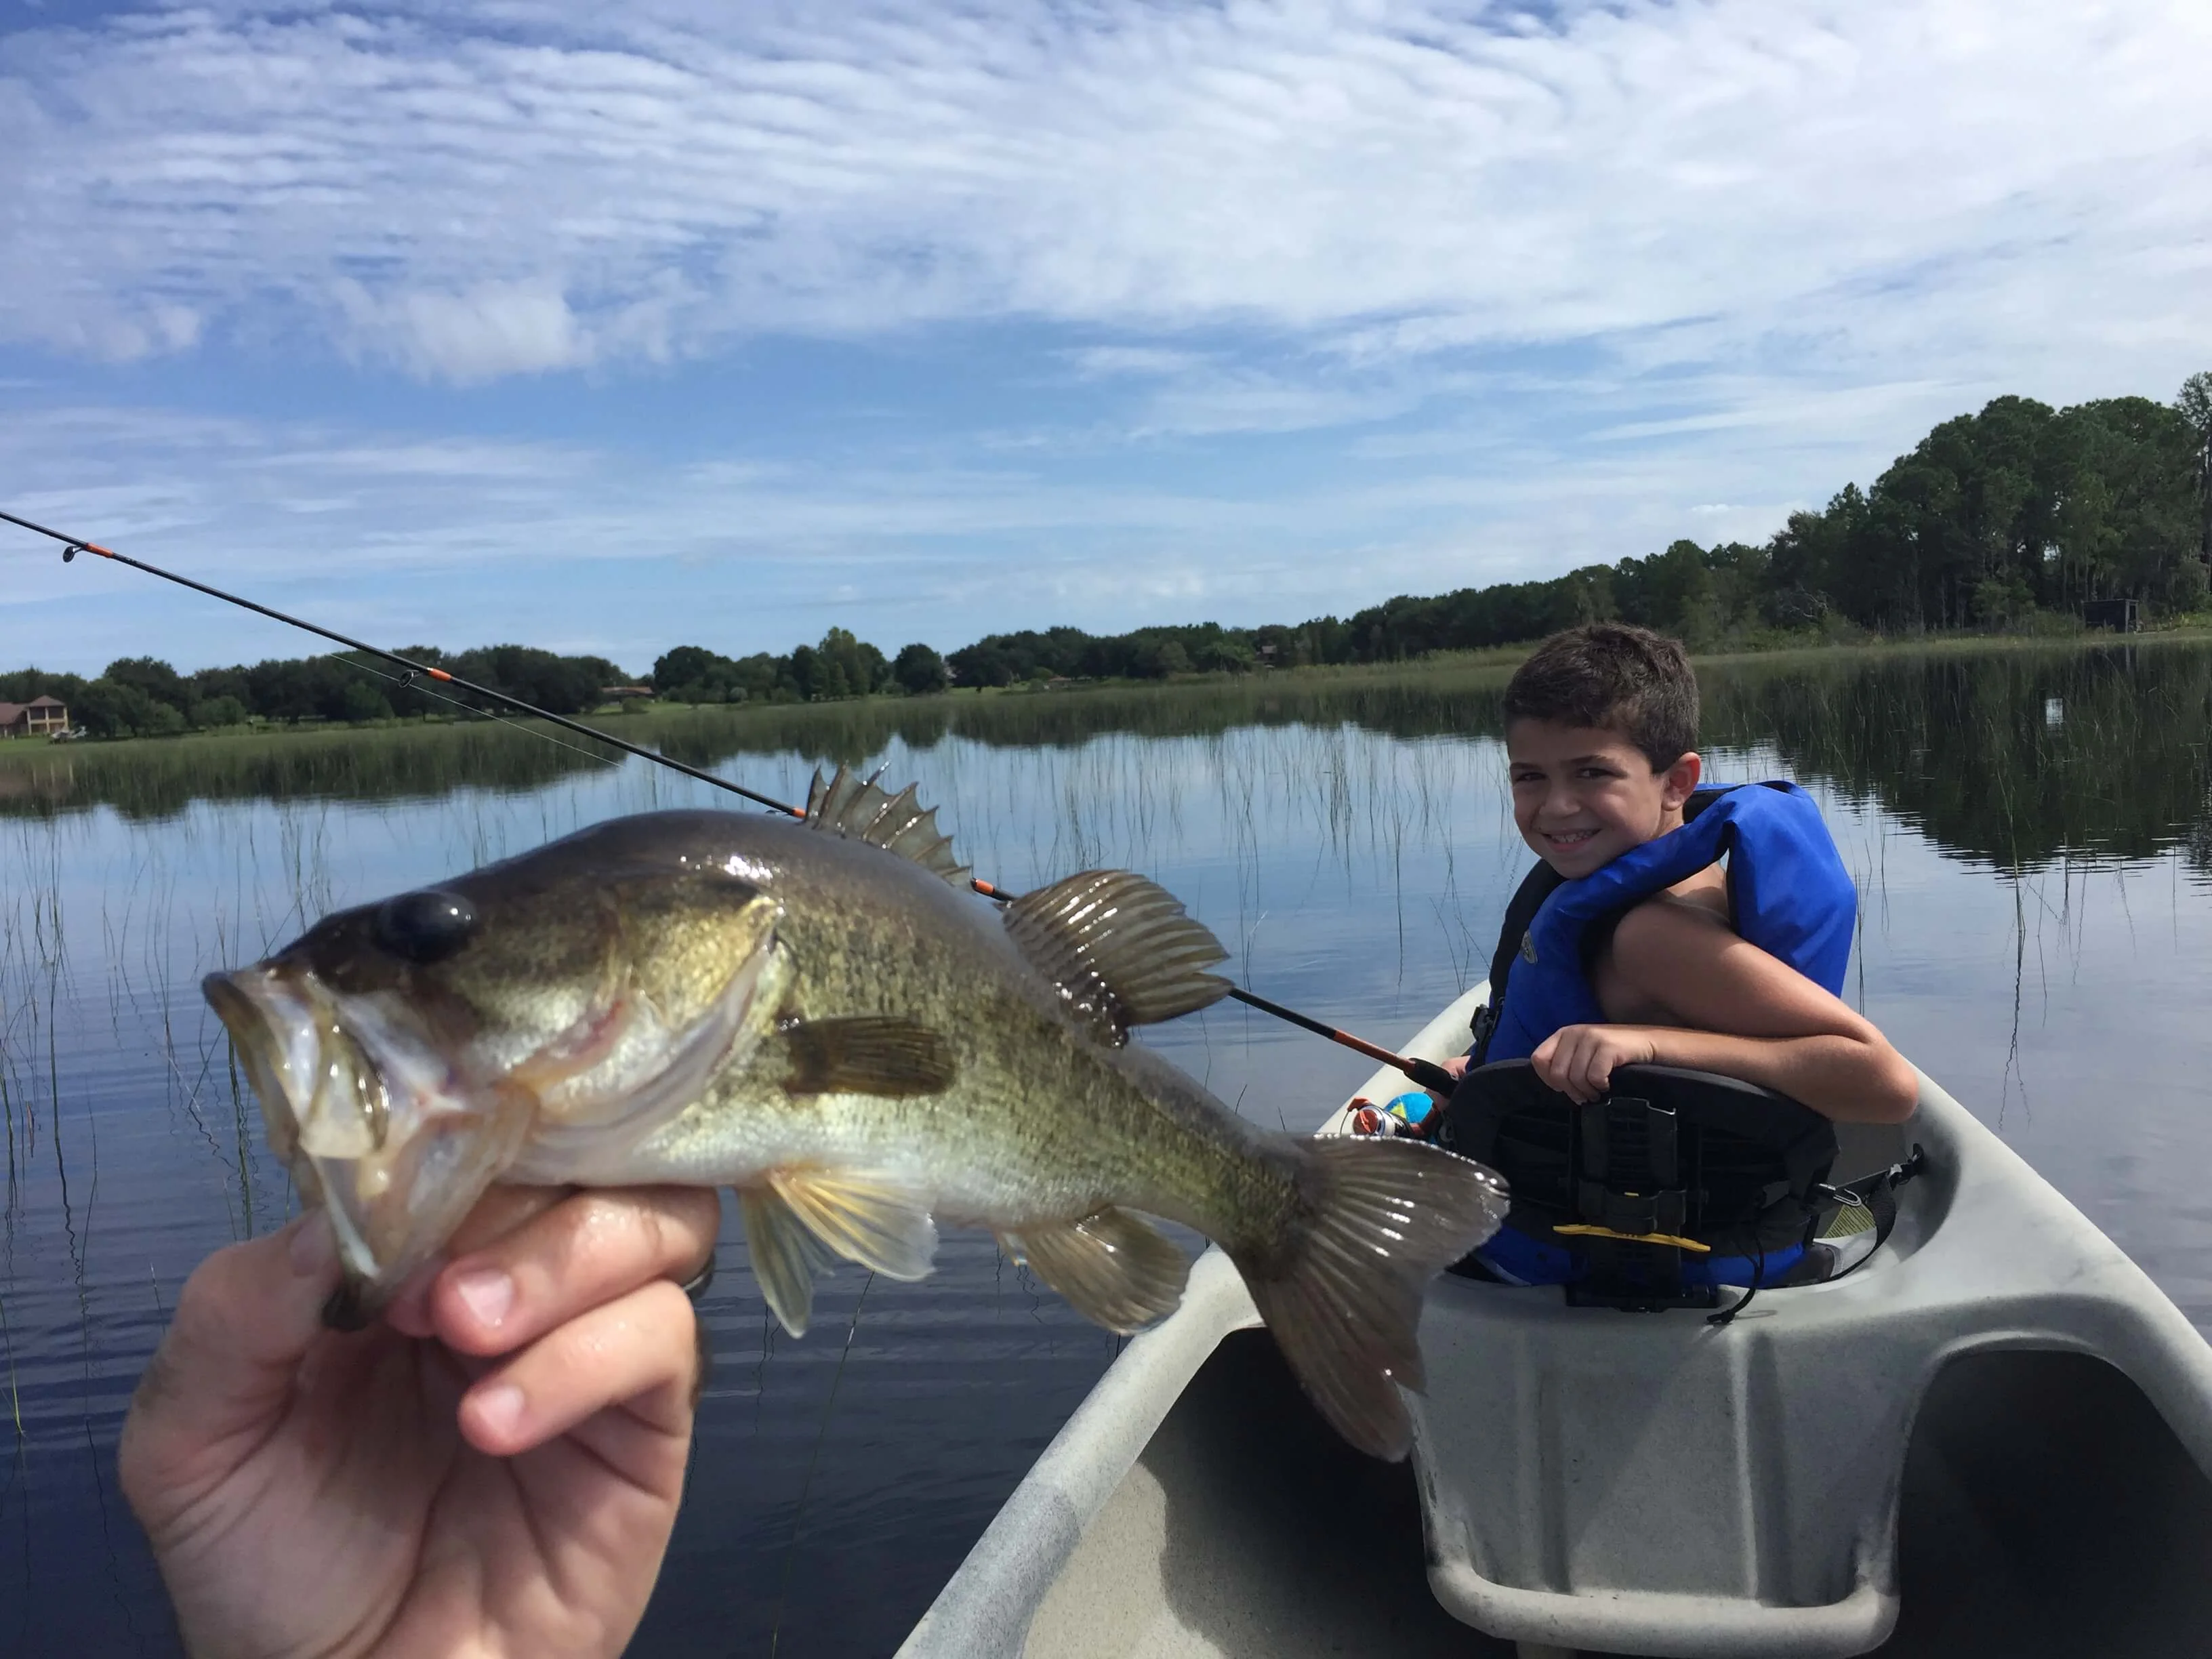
point(1717, 1003)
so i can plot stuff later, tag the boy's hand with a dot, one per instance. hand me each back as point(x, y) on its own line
point(1578, 1060)
point(1457, 1066)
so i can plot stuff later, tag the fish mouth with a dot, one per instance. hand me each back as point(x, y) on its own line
point(397, 1144)
point(372, 1124)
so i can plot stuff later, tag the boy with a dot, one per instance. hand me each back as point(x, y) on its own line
point(1601, 725)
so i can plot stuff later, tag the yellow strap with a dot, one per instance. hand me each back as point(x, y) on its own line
point(1636, 1238)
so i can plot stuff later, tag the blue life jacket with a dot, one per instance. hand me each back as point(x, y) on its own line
point(1791, 896)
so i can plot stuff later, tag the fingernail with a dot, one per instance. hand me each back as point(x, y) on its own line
point(499, 1408)
point(487, 1293)
point(312, 1247)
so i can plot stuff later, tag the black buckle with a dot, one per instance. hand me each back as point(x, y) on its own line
point(1629, 1170)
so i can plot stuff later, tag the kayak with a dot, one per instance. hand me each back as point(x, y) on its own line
point(1993, 1437)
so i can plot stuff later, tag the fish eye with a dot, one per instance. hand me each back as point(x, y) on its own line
point(425, 926)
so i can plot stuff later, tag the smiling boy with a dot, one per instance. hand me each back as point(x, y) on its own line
point(1600, 733)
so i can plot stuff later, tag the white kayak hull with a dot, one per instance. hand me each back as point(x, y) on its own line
point(1587, 1481)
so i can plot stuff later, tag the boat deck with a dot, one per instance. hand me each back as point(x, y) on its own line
point(2048, 1510)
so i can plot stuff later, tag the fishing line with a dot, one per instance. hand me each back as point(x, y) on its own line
point(1430, 1075)
point(468, 708)
point(806, 1485)
point(73, 545)
point(1427, 1073)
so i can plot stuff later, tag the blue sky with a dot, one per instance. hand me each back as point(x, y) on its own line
point(694, 322)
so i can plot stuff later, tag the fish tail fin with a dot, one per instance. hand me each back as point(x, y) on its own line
point(1342, 1291)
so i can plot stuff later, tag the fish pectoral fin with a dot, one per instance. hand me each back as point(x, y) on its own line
point(867, 1054)
point(874, 1219)
point(1114, 1268)
point(786, 1257)
point(1120, 950)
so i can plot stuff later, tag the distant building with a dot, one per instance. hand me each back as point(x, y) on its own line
point(2118, 615)
point(617, 693)
point(41, 717)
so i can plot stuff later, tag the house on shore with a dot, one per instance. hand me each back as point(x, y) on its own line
point(41, 717)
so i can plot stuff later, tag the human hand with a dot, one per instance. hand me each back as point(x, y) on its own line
point(1457, 1066)
point(493, 1468)
point(1578, 1060)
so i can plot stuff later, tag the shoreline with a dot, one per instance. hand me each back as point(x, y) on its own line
point(647, 719)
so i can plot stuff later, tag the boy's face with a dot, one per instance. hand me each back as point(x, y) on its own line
point(1582, 795)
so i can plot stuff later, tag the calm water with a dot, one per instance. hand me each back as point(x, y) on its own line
point(2031, 831)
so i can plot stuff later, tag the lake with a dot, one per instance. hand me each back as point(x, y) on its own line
point(2030, 829)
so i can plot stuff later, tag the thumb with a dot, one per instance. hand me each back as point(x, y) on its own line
point(244, 1320)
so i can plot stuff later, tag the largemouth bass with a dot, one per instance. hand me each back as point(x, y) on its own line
point(818, 1016)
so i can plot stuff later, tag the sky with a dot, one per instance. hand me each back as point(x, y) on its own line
point(614, 328)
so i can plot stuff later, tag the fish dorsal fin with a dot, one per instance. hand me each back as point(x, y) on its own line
point(1120, 950)
point(858, 809)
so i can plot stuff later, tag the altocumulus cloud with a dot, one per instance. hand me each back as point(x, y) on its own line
point(1119, 312)
point(474, 190)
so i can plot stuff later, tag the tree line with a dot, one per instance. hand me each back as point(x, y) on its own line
point(144, 697)
point(1993, 521)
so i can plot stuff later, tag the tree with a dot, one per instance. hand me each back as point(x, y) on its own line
point(1226, 655)
point(806, 668)
point(25, 683)
point(208, 684)
point(110, 708)
point(691, 673)
point(214, 712)
point(153, 677)
point(920, 669)
point(984, 663)
point(2195, 404)
point(848, 667)
point(359, 700)
point(563, 685)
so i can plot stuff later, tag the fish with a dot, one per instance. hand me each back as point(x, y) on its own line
point(820, 1015)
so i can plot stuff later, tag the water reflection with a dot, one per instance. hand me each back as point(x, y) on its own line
point(2016, 757)
point(2013, 756)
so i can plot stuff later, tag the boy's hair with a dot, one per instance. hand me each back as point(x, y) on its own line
point(1615, 677)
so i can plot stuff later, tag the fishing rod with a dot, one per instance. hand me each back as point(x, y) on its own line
point(1428, 1074)
point(73, 545)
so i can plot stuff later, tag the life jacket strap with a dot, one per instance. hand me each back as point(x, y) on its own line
point(1583, 1230)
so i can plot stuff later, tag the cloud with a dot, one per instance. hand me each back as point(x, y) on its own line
point(507, 187)
point(491, 331)
point(1118, 312)
point(1106, 360)
point(403, 535)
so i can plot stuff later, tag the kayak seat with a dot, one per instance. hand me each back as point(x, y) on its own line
point(1677, 1184)
point(1671, 1484)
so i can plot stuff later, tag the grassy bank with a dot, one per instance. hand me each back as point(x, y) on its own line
point(1446, 693)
